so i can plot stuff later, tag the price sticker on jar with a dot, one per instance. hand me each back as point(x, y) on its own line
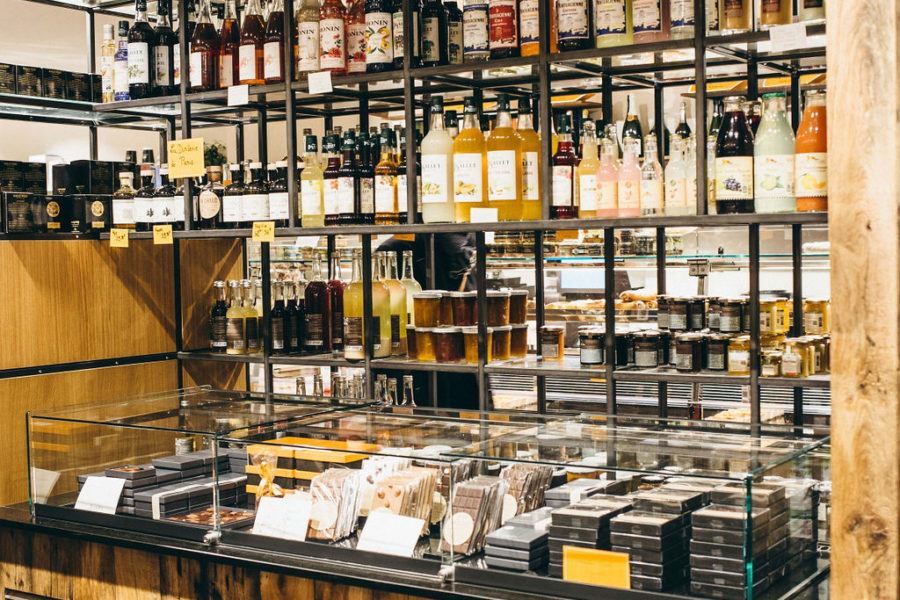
point(118, 238)
point(162, 234)
point(264, 231)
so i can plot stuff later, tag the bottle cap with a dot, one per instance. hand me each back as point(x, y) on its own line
point(437, 104)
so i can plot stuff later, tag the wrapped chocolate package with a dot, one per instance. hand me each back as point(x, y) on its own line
point(335, 504)
point(476, 511)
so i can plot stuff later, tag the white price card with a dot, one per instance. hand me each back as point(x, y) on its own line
point(788, 37)
point(387, 533)
point(100, 494)
point(286, 518)
point(484, 215)
point(320, 82)
point(238, 95)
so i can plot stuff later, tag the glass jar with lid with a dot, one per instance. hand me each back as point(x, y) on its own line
point(427, 308)
point(697, 313)
point(815, 316)
point(768, 316)
point(689, 353)
point(794, 362)
point(745, 314)
point(646, 349)
point(470, 342)
point(411, 349)
point(730, 315)
point(713, 310)
point(770, 365)
point(424, 343)
point(497, 308)
point(782, 315)
point(717, 351)
point(500, 342)
point(518, 341)
point(464, 308)
point(679, 312)
point(445, 317)
point(739, 355)
point(591, 346)
point(552, 342)
point(518, 307)
point(662, 312)
point(645, 243)
point(448, 344)
point(624, 348)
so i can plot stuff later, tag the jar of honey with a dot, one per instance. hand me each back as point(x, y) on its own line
point(500, 343)
point(739, 355)
point(518, 342)
point(794, 361)
point(448, 344)
point(470, 341)
point(771, 364)
point(768, 317)
point(411, 349)
point(424, 343)
point(518, 307)
point(815, 316)
point(464, 308)
point(551, 342)
point(497, 308)
point(445, 317)
point(427, 308)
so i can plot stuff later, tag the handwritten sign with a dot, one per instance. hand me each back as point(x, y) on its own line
point(596, 567)
point(263, 231)
point(186, 158)
point(118, 238)
point(162, 234)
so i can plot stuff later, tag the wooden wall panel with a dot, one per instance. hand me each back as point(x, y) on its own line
point(203, 262)
point(68, 301)
point(65, 389)
point(220, 375)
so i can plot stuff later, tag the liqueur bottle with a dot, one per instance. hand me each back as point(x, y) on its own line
point(682, 19)
point(629, 187)
point(651, 180)
point(235, 322)
point(435, 31)
point(312, 207)
point(504, 28)
point(140, 40)
point(451, 122)
point(317, 307)
point(332, 37)
point(469, 165)
point(144, 215)
point(504, 165)
point(586, 198)
point(277, 329)
point(251, 317)
point(398, 312)
point(476, 31)
point(307, 50)
point(607, 181)
point(209, 203)
point(204, 59)
point(189, 35)
point(218, 319)
point(563, 205)
point(163, 64)
point(123, 202)
point(251, 53)
point(164, 207)
point(651, 20)
point(273, 49)
point(612, 23)
point(356, 36)
point(437, 169)
point(354, 336)
point(683, 129)
point(178, 208)
point(279, 204)
point(397, 24)
point(454, 33)
point(381, 312)
point(529, 27)
point(734, 161)
point(108, 64)
point(531, 162)
point(365, 200)
point(256, 196)
point(336, 288)
point(573, 24)
point(632, 127)
point(409, 282)
point(380, 35)
point(386, 183)
point(233, 199)
point(348, 181)
point(292, 315)
point(331, 183)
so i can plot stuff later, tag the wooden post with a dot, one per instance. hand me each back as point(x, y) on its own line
point(864, 188)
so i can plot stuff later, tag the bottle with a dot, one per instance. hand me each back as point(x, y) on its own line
point(219, 17)
point(753, 111)
point(256, 196)
point(144, 215)
point(676, 187)
point(120, 65)
point(632, 127)
point(292, 330)
point(651, 20)
point(454, 33)
point(312, 207)
point(607, 181)
point(176, 49)
point(251, 317)
point(773, 159)
point(379, 37)
point(734, 161)
point(233, 199)
point(715, 122)
point(354, 335)
point(331, 183)
point(251, 52)
point(386, 212)
point(629, 187)
point(690, 170)
point(529, 27)
point(469, 165)
point(336, 288)
point(307, 50)
point(107, 64)
point(435, 32)
point(504, 165)
point(531, 161)
point(381, 311)
point(209, 203)
point(683, 129)
point(402, 194)
point(397, 39)
point(235, 322)
point(736, 15)
point(177, 204)
point(437, 169)
point(586, 190)
point(279, 203)
point(812, 10)
point(451, 122)
point(348, 181)
point(273, 49)
point(140, 40)
point(564, 202)
point(612, 23)
point(711, 174)
point(365, 199)
point(204, 59)
point(123, 202)
point(277, 329)
point(476, 31)
point(164, 207)
point(775, 12)
point(398, 308)
point(356, 36)
point(332, 37)
point(218, 320)
point(573, 24)
point(812, 155)
point(504, 28)
point(617, 151)
point(682, 18)
point(651, 180)
point(163, 64)
point(318, 312)
point(410, 284)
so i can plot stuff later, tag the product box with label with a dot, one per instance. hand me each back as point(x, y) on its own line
point(78, 87)
point(7, 78)
point(12, 176)
point(77, 223)
point(96, 87)
point(28, 81)
point(35, 177)
point(55, 214)
point(96, 209)
point(18, 212)
point(54, 84)
point(91, 176)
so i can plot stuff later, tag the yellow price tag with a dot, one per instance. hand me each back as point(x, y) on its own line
point(596, 567)
point(118, 238)
point(162, 234)
point(186, 158)
point(263, 231)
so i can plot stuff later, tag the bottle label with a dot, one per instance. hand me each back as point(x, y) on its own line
point(435, 169)
point(610, 17)
point(107, 65)
point(530, 186)
point(308, 46)
point(562, 185)
point(467, 173)
point(651, 195)
point(431, 39)
point(161, 70)
point(572, 19)
point(814, 322)
point(277, 333)
point(379, 38)
point(251, 326)
point(311, 197)
point(337, 327)
point(353, 334)
point(384, 194)
point(607, 195)
point(402, 204)
point(676, 193)
point(503, 23)
point(143, 210)
point(455, 43)
point(272, 60)
point(164, 209)
point(331, 196)
point(356, 47)
point(501, 166)
point(738, 360)
point(331, 44)
point(682, 13)
point(122, 211)
point(397, 34)
point(226, 70)
point(120, 80)
point(734, 9)
point(476, 38)
point(279, 207)
point(247, 62)
point(256, 207)
point(712, 15)
point(587, 192)
point(178, 208)
point(176, 64)
point(232, 209)
point(208, 204)
point(195, 64)
point(218, 332)
point(345, 195)
point(734, 178)
point(774, 175)
point(395, 331)
point(629, 194)
point(646, 16)
point(315, 330)
point(234, 334)
point(138, 63)
point(529, 28)
point(291, 323)
point(812, 174)
point(367, 195)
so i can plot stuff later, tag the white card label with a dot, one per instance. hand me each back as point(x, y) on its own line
point(788, 37)
point(100, 494)
point(320, 83)
point(238, 95)
point(387, 533)
point(286, 518)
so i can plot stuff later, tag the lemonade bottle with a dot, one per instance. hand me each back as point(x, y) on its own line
point(773, 162)
point(812, 155)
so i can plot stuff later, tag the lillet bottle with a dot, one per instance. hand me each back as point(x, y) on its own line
point(251, 52)
point(204, 57)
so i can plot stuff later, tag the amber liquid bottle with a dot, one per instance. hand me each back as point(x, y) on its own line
point(229, 42)
point(273, 51)
point(318, 312)
point(204, 59)
point(331, 180)
point(251, 51)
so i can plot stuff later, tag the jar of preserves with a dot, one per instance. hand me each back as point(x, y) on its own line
point(717, 351)
point(518, 341)
point(411, 349)
point(426, 308)
point(445, 317)
point(713, 310)
point(591, 346)
point(730, 315)
point(745, 314)
point(768, 317)
point(771, 342)
point(470, 344)
point(500, 342)
point(518, 307)
point(815, 316)
point(794, 360)
point(697, 313)
point(497, 308)
point(424, 343)
point(689, 355)
point(645, 243)
point(679, 311)
point(448, 344)
point(739, 355)
point(646, 349)
point(665, 341)
point(465, 312)
point(624, 348)
point(770, 364)
point(782, 316)
point(552, 342)
point(662, 312)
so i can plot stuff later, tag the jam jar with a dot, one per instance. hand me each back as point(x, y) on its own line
point(645, 243)
point(739, 355)
point(646, 349)
point(552, 342)
point(793, 360)
point(768, 317)
point(411, 350)
point(500, 342)
point(745, 314)
point(815, 316)
point(690, 354)
point(717, 351)
point(427, 308)
point(470, 342)
point(624, 348)
point(445, 317)
point(464, 308)
point(518, 307)
point(679, 313)
point(518, 341)
point(497, 308)
point(713, 312)
point(697, 313)
point(424, 343)
point(662, 312)
point(591, 346)
point(770, 364)
point(448, 344)
point(730, 315)
point(782, 315)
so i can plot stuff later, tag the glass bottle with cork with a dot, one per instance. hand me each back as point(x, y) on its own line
point(734, 161)
point(229, 44)
point(204, 57)
point(564, 204)
point(140, 40)
point(251, 53)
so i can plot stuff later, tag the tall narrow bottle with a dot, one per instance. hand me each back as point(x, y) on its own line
point(251, 317)
point(564, 202)
point(354, 336)
point(312, 207)
point(163, 65)
point(469, 165)
point(715, 122)
point(651, 20)
point(476, 31)
point(397, 304)
point(233, 198)
point(683, 129)
point(273, 49)
point(279, 203)
point(204, 59)
point(398, 39)
point(348, 181)
point(773, 159)
point(256, 196)
point(632, 127)
point(307, 51)
point(531, 161)
point(189, 35)
point(381, 312)
point(108, 64)
point(209, 204)
point(251, 54)
point(379, 36)
point(144, 215)
point(123, 202)
point(504, 165)
point(409, 282)
point(812, 155)
point(164, 207)
point(229, 48)
point(318, 312)
point(455, 33)
point(734, 161)
point(292, 330)
point(529, 27)
point(235, 322)
point(504, 28)
point(277, 329)
point(629, 187)
point(331, 184)
point(651, 180)
point(365, 200)
point(218, 319)
point(607, 181)
point(140, 40)
point(612, 23)
point(573, 24)
point(586, 199)
point(356, 36)
point(690, 169)
point(332, 37)
point(682, 18)
point(437, 169)
point(386, 212)
point(336, 289)
point(676, 180)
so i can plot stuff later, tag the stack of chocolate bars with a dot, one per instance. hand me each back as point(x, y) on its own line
point(475, 513)
point(585, 524)
point(521, 544)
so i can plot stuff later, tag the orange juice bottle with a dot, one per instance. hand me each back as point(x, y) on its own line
point(811, 167)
